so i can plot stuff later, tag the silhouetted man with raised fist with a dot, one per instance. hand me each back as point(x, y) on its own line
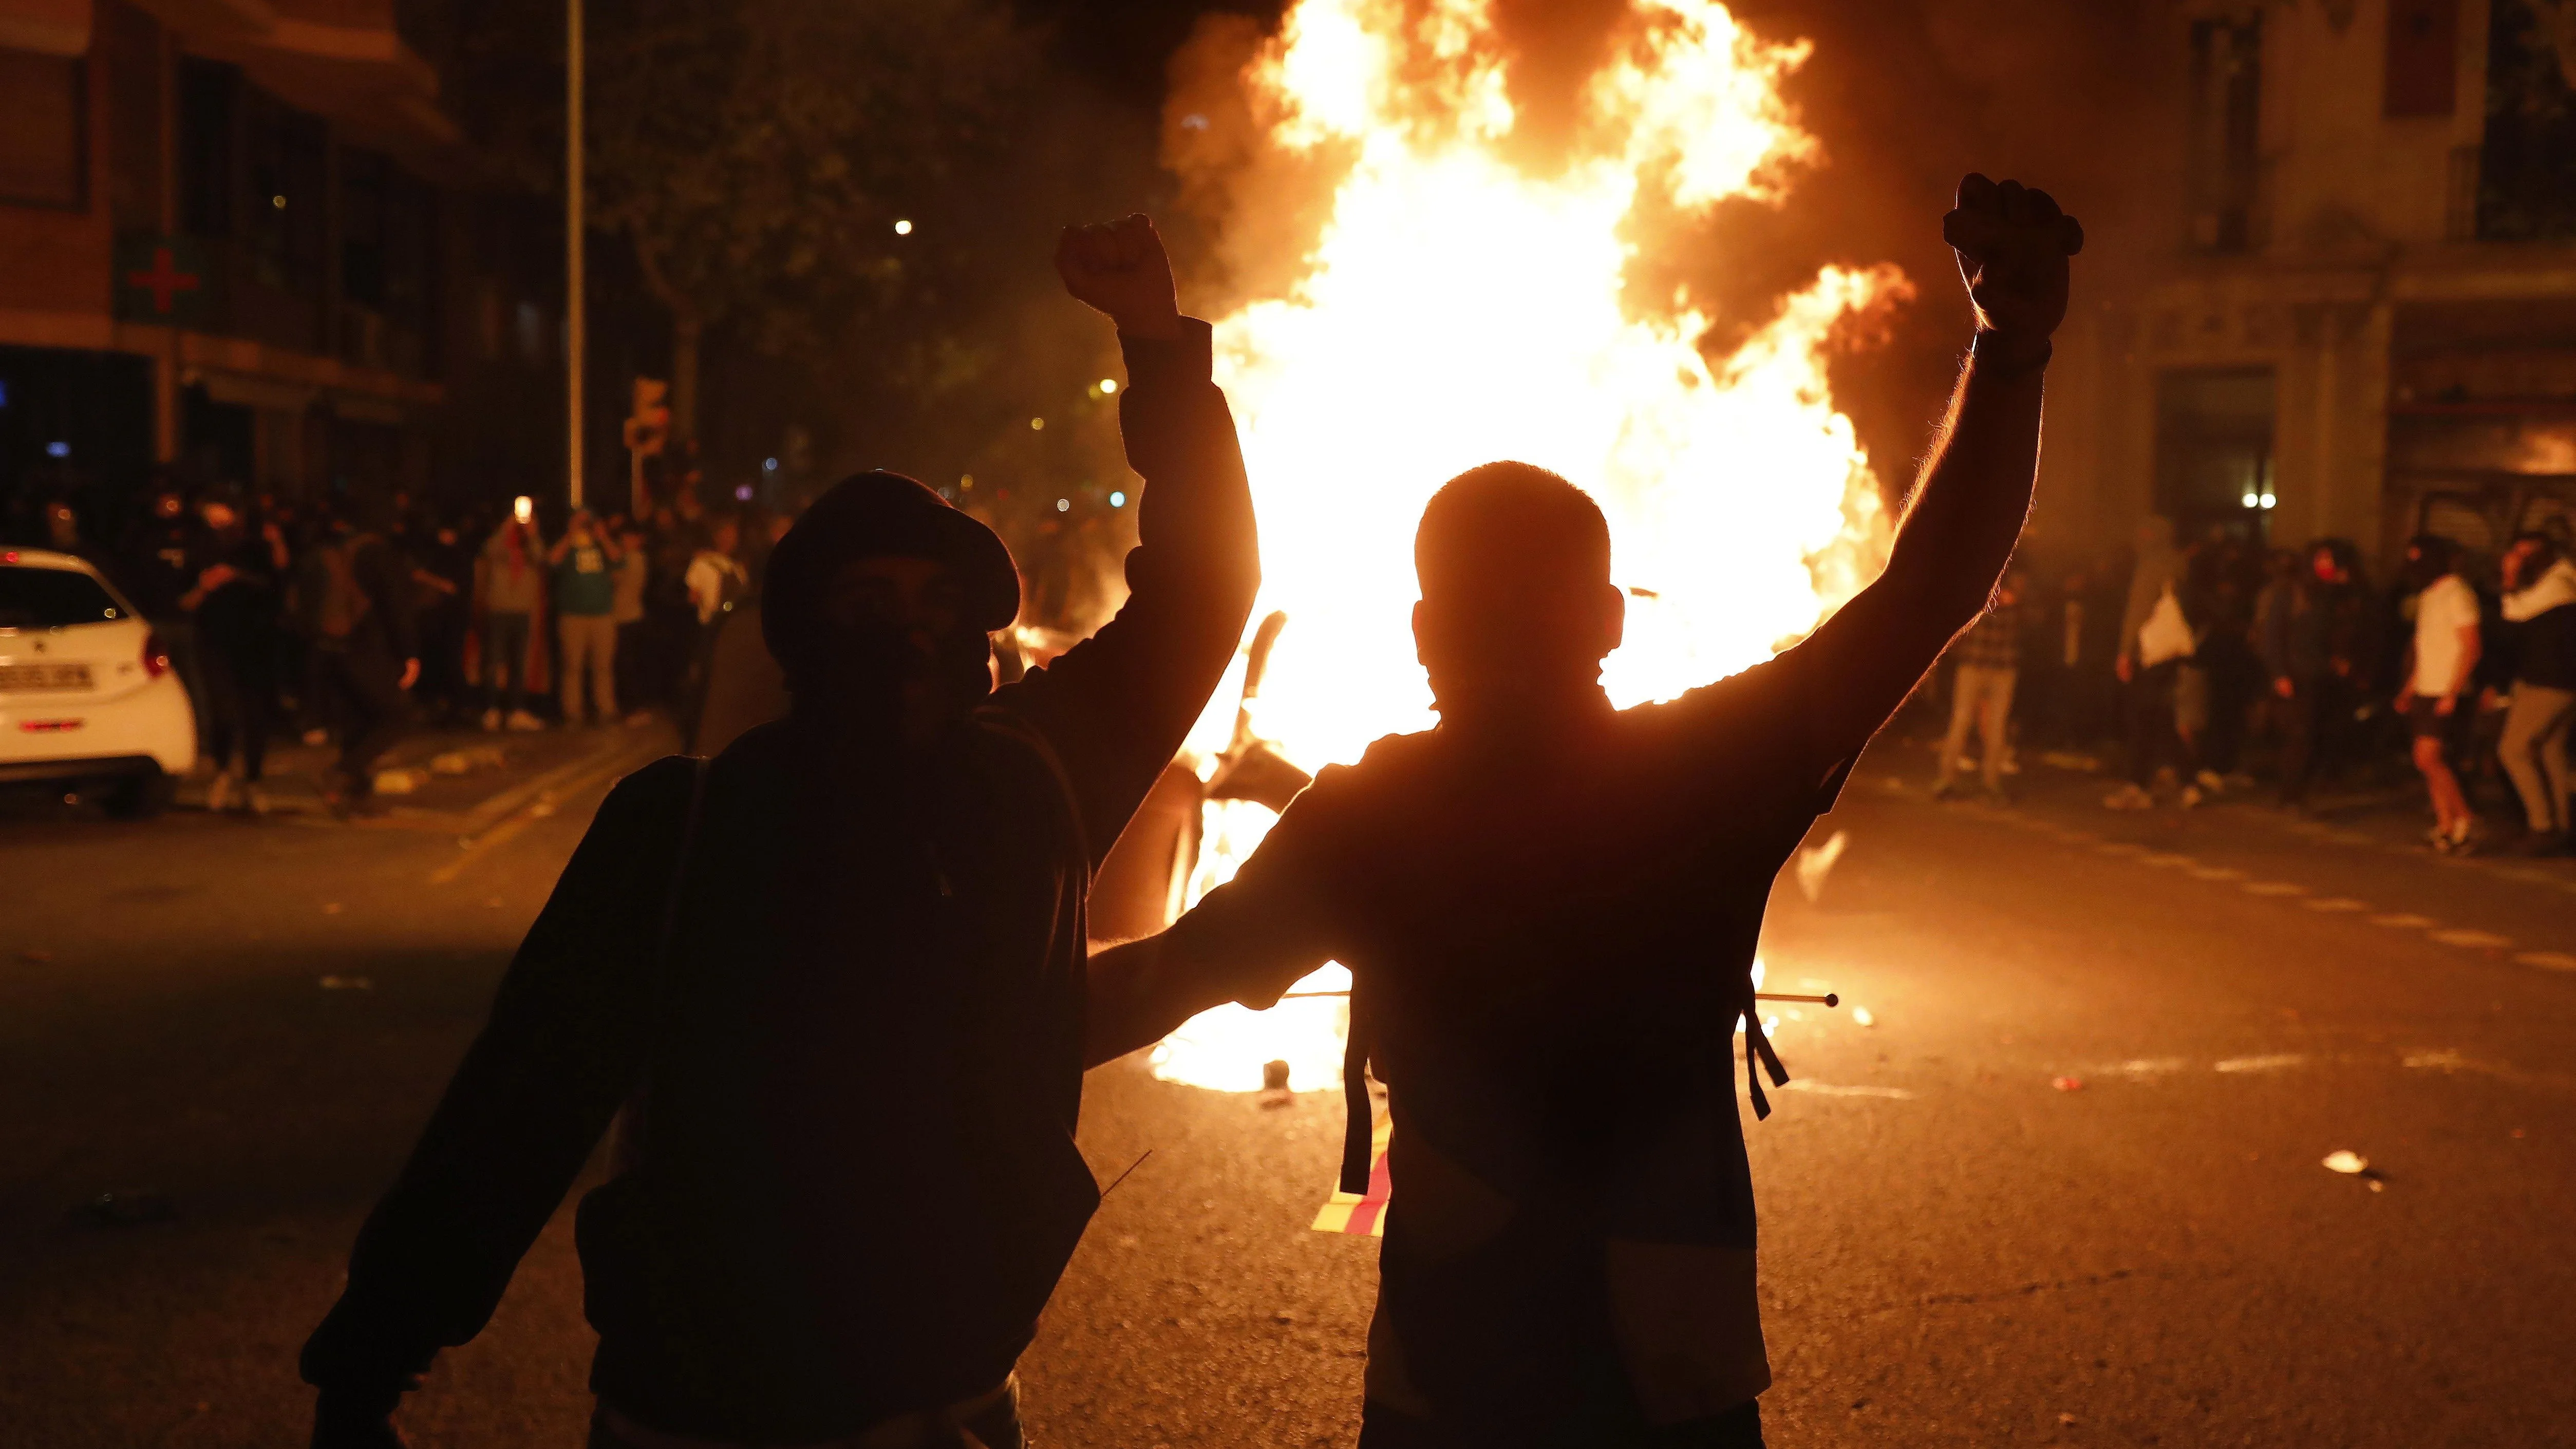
point(836, 977)
point(1549, 909)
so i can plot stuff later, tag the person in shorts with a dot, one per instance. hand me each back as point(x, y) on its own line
point(2435, 700)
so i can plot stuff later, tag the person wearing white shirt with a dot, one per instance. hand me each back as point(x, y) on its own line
point(2539, 609)
point(2435, 698)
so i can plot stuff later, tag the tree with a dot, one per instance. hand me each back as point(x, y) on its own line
point(756, 155)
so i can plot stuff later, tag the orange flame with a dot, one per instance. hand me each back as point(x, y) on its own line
point(1457, 309)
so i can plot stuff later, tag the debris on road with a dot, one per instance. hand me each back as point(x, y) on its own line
point(459, 762)
point(347, 983)
point(2067, 1084)
point(401, 781)
point(122, 1210)
point(1816, 864)
point(2345, 1161)
point(1861, 1015)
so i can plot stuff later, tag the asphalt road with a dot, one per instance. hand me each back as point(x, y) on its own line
point(1958, 1249)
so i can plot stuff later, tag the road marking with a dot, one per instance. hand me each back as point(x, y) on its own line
point(2274, 888)
point(2216, 872)
point(2338, 903)
point(2120, 847)
point(1828, 1089)
point(2470, 938)
point(2402, 922)
point(2273, 1063)
point(2143, 1068)
point(2163, 859)
point(2548, 960)
point(603, 766)
point(2444, 1060)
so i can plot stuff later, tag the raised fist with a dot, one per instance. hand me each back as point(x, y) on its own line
point(1120, 269)
point(2012, 243)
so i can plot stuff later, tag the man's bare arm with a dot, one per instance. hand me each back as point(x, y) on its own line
point(1140, 992)
point(1966, 513)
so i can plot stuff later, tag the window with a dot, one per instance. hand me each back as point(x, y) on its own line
point(43, 598)
point(362, 227)
point(285, 225)
point(209, 96)
point(2225, 131)
point(2423, 58)
point(2527, 164)
point(129, 43)
point(44, 153)
point(2214, 451)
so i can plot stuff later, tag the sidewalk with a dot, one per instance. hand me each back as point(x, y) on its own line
point(2358, 854)
point(450, 780)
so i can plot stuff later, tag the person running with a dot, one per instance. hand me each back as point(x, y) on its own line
point(2435, 700)
point(2539, 607)
point(837, 967)
point(1549, 909)
point(366, 653)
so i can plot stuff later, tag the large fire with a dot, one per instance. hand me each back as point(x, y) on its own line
point(1459, 308)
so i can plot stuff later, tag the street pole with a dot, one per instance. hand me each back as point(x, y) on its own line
point(576, 314)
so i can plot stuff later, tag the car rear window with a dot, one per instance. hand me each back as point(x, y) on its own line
point(32, 598)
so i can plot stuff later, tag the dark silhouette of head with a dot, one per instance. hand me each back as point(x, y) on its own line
point(2429, 556)
point(1517, 607)
point(878, 606)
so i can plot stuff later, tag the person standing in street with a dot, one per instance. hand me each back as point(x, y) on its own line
point(1549, 908)
point(2435, 702)
point(836, 966)
point(1987, 662)
point(637, 689)
point(511, 580)
point(2156, 640)
point(2314, 647)
point(366, 655)
point(2539, 608)
point(158, 564)
point(234, 604)
point(585, 563)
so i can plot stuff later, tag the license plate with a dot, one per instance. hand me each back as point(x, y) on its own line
point(34, 678)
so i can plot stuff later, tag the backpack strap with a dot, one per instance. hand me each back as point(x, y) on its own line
point(1757, 1046)
point(1359, 1115)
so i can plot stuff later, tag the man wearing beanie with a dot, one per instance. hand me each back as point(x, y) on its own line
point(834, 977)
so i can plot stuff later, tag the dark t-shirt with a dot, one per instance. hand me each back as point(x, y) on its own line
point(1550, 947)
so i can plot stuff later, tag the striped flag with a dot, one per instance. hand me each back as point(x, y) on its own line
point(1363, 1215)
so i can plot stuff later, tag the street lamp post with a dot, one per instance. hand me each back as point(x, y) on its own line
point(576, 314)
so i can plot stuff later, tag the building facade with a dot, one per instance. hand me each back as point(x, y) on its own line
point(2363, 324)
point(241, 240)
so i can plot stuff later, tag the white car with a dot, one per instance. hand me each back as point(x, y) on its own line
point(88, 699)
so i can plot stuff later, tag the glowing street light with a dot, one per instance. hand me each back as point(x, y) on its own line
point(1108, 385)
point(903, 228)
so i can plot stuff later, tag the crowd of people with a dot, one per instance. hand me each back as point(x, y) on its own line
point(356, 619)
point(2225, 666)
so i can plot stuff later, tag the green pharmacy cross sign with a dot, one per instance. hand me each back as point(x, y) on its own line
point(160, 279)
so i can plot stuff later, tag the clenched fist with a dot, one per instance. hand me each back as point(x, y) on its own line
point(2012, 243)
point(1120, 269)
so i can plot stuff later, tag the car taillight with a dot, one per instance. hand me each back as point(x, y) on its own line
point(156, 658)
